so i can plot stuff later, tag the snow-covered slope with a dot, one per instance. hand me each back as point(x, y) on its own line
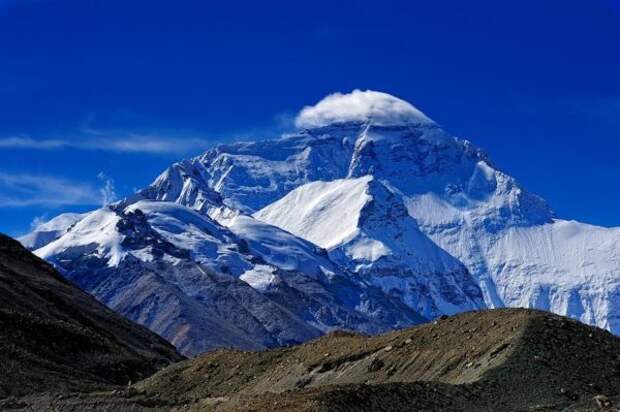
point(569, 268)
point(369, 216)
point(562, 266)
point(50, 230)
point(366, 228)
point(325, 213)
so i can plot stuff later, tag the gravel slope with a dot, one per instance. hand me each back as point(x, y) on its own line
point(494, 360)
point(499, 360)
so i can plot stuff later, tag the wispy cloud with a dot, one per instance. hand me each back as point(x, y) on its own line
point(19, 190)
point(108, 192)
point(88, 136)
point(38, 221)
point(134, 143)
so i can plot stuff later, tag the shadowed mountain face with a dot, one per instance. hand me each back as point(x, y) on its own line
point(55, 337)
point(495, 360)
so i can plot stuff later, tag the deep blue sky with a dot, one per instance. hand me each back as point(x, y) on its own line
point(535, 83)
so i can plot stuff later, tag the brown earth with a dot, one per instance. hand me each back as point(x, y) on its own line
point(495, 360)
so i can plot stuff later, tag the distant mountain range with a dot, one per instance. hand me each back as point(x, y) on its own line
point(369, 217)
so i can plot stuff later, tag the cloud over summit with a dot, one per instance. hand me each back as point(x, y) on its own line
point(360, 106)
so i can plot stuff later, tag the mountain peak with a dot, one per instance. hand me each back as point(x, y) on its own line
point(360, 106)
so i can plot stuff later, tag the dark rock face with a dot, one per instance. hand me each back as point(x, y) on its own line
point(138, 234)
point(54, 336)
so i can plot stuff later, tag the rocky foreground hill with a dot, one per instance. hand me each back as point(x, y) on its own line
point(56, 338)
point(493, 360)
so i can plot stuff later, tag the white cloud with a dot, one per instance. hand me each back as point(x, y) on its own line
point(134, 143)
point(38, 221)
point(108, 192)
point(380, 108)
point(18, 190)
point(28, 143)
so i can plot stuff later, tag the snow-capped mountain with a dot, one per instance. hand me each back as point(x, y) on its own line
point(370, 216)
point(518, 252)
point(202, 285)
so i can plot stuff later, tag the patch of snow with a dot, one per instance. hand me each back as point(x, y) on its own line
point(369, 250)
point(260, 277)
point(144, 254)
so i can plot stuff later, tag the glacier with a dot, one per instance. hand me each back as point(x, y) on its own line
point(370, 216)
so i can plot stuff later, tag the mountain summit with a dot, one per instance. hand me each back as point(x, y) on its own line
point(369, 217)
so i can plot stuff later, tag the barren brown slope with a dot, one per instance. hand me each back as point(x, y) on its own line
point(54, 337)
point(500, 360)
